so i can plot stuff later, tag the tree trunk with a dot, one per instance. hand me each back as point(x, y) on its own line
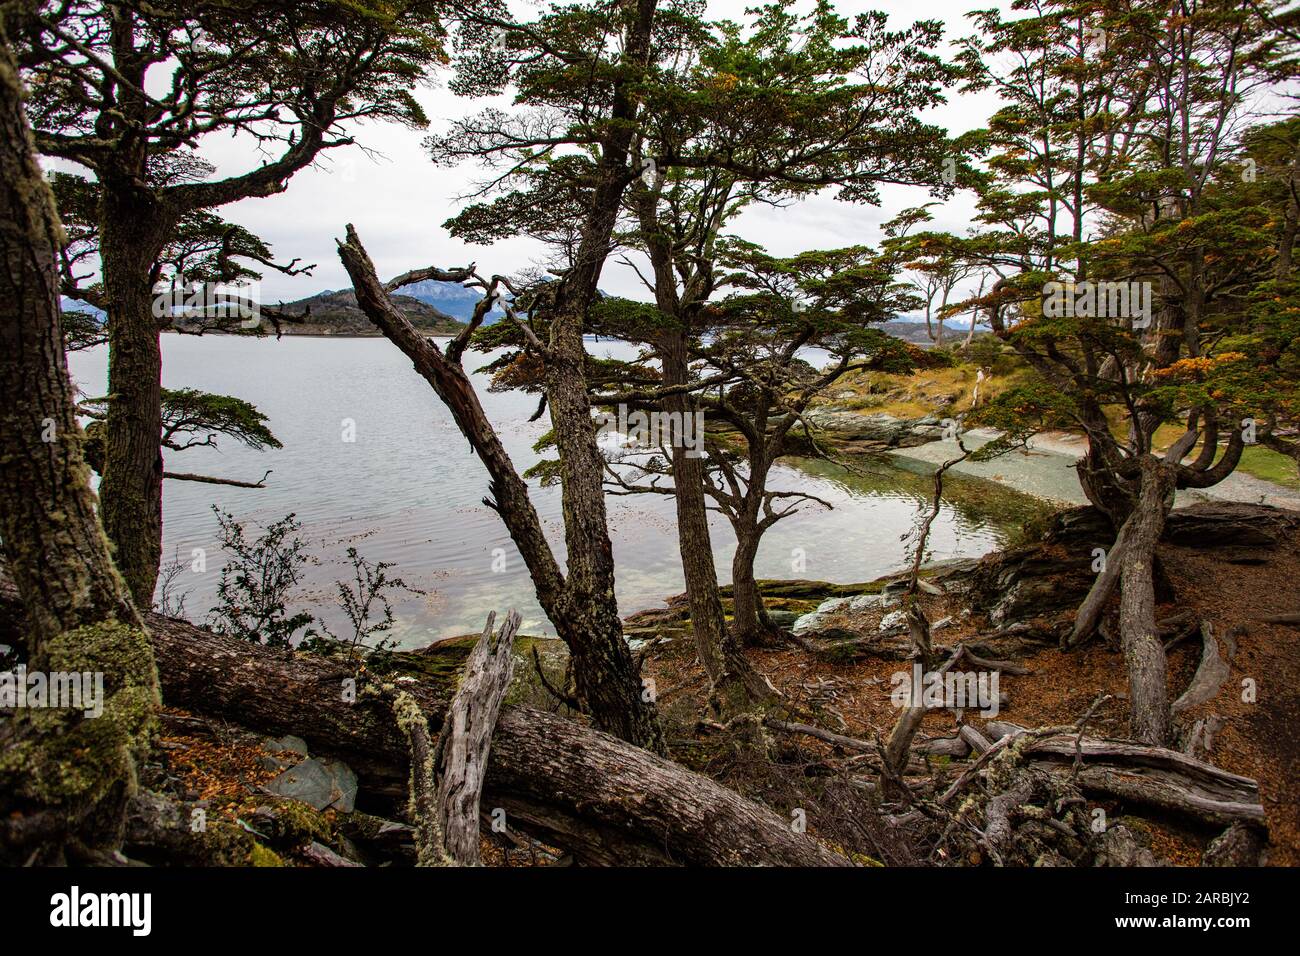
point(64, 776)
point(735, 684)
point(604, 672)
point(899, 746)
point(1144, 654)
point(604, 800)
point(131, 231)
point(587, 622)
point(753, 628)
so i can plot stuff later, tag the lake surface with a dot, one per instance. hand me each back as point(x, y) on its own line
point(409, 490)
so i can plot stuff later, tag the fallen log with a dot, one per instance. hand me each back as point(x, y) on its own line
point(1154, 777)
point(1149, 776)
point(603, 800)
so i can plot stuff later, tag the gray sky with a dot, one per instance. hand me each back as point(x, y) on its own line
point(398, 200)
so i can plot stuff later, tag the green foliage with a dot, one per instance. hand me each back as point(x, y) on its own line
point(187, 412)
point(190, 418)
point(1019, 413)
point(369, 593)
point(258, 580)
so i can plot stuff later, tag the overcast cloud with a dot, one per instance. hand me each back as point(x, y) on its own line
point(398, 200)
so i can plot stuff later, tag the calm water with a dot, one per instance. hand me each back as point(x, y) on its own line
point(409, 490)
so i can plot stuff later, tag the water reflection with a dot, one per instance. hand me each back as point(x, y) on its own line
point(409, 490)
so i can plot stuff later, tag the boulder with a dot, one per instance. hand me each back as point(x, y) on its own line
point(893, 620)
point(320, 783)
point(1239, 845)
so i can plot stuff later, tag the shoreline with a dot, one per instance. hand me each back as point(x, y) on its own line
point(1046, 471)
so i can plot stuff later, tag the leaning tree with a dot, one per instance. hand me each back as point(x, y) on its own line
point(784, 105)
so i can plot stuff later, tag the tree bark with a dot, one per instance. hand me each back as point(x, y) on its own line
point(1144, 654)
point(752, 626)
point(467, 741)
point(64, 777)
point(131, 236)
point(602, 799)
point(735, 684)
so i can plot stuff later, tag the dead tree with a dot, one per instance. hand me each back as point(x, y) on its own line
point(605, 673)
point(446, 783)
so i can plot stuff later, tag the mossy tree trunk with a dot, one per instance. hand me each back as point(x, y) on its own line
point(64, 776)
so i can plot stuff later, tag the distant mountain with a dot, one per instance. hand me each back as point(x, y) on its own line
point(337, 313)
point(915, 333)
point(451, 298)
point(74, 305)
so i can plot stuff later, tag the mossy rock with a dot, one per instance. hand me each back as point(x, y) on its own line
point(292, 823)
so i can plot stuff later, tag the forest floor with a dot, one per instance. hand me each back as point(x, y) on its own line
point(1259, 740)
point(229, 769)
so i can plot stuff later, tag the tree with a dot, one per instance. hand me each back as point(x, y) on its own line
point(837, 101)
point(591, 64)
point(126, 90)
point(1135, 335)
point(827, 300)
point(64, 776)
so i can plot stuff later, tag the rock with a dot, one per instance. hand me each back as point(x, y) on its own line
point(1119, 847)
point(878, 429)
point(893, 619)
point(865, 602)
point(287, 742)
point(808, 624)
point(783, 618)
point(1239, 845)
point(320, 783)
point(831, 605)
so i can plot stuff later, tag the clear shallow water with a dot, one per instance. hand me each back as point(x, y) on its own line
point(409, 490)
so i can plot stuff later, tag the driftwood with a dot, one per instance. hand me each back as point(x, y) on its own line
point(467, 739)
point(604, 800)
point(447, 783)
point(1211, 672)
point(1157, 777)
point(1150, 776)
